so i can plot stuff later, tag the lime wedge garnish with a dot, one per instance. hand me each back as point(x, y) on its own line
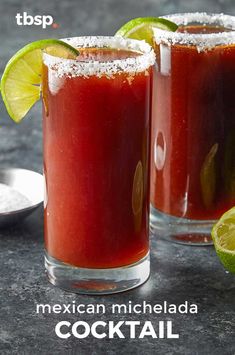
point(21, 80)
point(141, 28)
point(223, 234)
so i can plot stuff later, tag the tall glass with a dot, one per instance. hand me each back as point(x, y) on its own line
point(193, 132)
point(96, 125)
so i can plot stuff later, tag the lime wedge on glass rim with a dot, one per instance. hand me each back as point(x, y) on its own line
point(223, 235)
point(21, 79)
point(141, 28)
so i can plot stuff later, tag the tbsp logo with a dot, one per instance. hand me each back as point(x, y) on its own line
point(38, 20)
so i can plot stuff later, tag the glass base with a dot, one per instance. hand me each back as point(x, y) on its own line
point(181, 230)
point(97, 281)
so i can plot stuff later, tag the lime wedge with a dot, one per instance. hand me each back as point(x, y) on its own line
point(141, 28)
point(21, 79)
point(223, 234)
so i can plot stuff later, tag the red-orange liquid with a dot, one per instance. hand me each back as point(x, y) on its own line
point(193, 135)
point(96, 134)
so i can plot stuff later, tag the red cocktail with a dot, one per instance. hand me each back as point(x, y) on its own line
point(96, 144)
point(193, 163)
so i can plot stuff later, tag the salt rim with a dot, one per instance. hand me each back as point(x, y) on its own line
point(202, 41)
point(72, 67)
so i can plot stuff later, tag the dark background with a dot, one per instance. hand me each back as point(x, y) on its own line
point(179, 273)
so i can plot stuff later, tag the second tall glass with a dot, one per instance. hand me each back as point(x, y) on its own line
point(193, 135)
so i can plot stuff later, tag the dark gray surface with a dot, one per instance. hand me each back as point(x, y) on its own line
point(179, 273)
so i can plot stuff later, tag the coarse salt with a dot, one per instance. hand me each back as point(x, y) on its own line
point(12, 200)
point(202, 41)
point(72, 67)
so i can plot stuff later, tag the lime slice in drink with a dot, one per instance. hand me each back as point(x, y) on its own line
point(208, 173)
point(137, 190)
point(223, 234)
point(21, 80)
point(141, 28)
